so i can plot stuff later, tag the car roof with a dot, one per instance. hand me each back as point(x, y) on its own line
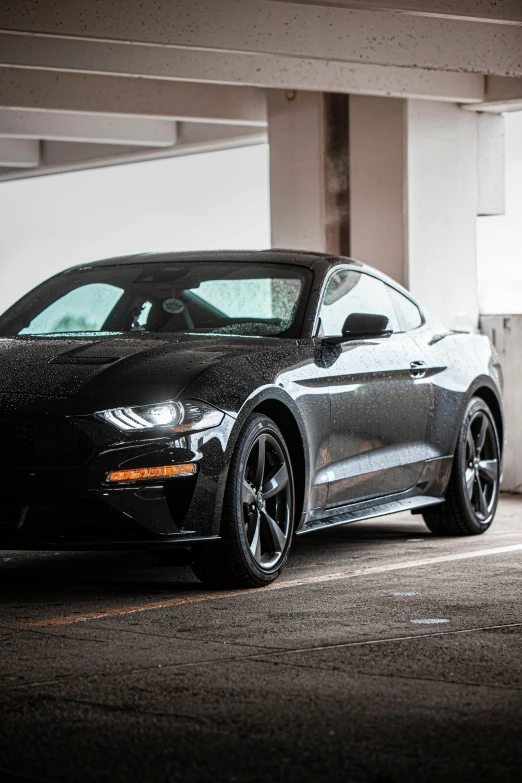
point(277, 255)
point(304, 258)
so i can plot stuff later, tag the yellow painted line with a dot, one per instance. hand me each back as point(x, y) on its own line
point(279, 585)
point(193, 599)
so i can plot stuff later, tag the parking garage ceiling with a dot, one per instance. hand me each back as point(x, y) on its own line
point(89, 84)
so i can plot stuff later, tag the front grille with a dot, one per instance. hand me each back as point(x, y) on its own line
point(41, 442)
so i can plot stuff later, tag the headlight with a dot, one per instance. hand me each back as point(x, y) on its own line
point(188, 416)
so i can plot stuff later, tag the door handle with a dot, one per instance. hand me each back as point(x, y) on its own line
point(418, 369)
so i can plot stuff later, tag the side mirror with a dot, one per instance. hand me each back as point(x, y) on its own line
point(366, 325)
point(359, 325)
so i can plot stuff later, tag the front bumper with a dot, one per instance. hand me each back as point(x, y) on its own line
point(73, 506)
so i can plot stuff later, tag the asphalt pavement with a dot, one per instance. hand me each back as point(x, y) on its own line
point(382, 654)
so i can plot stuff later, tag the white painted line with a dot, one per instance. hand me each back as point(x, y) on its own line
point(499, 550)
point(279, 585)
point(404, 594)
point(430, 621)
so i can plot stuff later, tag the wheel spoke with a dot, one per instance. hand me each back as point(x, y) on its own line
point(488, 469)
point(259, 470)
point(274, 485)
point(471, 445)
point(482, 499)
point(470, 478)
point(479, 443)
point(255, 544)
point(247, 493)
point(278, 537)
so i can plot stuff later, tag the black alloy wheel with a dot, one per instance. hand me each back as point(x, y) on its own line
point(473, 490)
point(267, 504)
point(482, 468)
point(258, 512)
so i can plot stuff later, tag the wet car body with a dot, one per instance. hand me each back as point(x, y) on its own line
point(371, 423)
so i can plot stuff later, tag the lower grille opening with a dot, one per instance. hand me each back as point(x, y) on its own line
point(69, 522)
point(42, 442)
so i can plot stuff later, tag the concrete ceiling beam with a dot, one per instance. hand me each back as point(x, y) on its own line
point(482, 10)
point(239, 68)
point(361, 35)
point(23, 88)
point(502, 94)
point(193, 138)
point(19, 153)
point(62, 126)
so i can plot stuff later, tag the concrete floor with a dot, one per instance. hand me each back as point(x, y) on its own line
point(320, 679)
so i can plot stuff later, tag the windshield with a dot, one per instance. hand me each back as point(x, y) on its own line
point(219, 297)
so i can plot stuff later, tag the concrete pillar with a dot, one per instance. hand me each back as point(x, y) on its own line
point(400, 191)
point(491, 161)
point(414, 199)
point(442, 186)
point(378, 192)
point(308, 136)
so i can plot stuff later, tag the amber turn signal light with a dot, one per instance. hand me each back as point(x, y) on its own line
point(165, 471)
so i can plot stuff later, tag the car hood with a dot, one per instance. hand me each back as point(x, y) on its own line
point(113, 371)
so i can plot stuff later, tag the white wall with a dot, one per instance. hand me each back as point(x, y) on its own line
point(210, 201)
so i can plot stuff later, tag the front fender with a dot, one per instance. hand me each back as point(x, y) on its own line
point(275, 402)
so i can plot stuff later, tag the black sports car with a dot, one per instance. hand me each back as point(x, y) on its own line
point(222, 402)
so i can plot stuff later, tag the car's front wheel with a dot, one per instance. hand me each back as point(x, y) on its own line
point(472, 494)
point(258, 512)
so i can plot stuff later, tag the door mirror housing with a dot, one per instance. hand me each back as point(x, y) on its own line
point(360, 325)
point(366, 325)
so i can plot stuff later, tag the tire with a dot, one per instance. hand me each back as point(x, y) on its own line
point(257, 522)
point(473, 489)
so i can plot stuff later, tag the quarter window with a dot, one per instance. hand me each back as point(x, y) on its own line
point(408, 314)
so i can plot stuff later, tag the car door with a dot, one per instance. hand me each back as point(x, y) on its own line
point(380, 402)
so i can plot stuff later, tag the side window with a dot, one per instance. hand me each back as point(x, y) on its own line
point(83, 309)
point(349, 292)
point(408, 313)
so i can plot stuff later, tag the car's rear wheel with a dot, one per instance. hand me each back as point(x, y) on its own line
point(258, 512)
point(472, 494)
